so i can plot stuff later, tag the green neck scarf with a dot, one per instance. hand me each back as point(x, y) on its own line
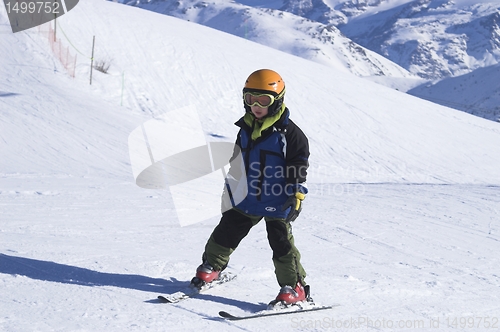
point(261, 125)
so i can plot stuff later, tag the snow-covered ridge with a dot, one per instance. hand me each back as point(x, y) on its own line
point(430, 39)
point(433, 39)
point(322, 43)
point(476, 93)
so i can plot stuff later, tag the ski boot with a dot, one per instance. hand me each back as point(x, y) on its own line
point(289, 295)
point(205, 274)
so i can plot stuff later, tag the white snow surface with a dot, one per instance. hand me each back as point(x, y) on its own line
point(401, 225)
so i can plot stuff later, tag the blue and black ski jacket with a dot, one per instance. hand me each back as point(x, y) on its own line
point(274, 165)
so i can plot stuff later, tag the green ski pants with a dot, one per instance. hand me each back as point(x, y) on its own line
point(235, 225)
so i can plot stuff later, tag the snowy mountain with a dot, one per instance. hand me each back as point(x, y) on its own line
point(400, 226)
point(454, 42)
point(430, 38)
point(433, 39)
point(322, 43)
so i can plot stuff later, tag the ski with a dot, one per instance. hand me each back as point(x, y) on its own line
point(293, 309)
point(191, 291)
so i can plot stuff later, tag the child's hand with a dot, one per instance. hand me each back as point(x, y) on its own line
point(295, 203)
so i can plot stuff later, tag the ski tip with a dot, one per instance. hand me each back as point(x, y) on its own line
point(163, 299)
point(225, 314)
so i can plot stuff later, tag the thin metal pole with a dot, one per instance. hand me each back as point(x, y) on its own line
point(123, 85)
point(92, 60)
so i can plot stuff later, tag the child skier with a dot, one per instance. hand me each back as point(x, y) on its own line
point(275, 153)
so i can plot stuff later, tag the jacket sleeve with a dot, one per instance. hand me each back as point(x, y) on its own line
point(297, 159)
point(235, 162)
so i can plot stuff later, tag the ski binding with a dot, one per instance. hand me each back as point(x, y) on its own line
point(192, 291)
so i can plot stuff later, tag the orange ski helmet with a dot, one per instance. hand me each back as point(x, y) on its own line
point(266, 82)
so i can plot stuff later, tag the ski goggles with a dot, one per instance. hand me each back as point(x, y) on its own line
point(262, 100)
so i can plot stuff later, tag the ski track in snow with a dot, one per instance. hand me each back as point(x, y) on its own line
point(70, 260)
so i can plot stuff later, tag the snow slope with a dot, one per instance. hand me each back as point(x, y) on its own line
point(432, 39)
point(462, 92)
point(401, 224)
point(322, 43)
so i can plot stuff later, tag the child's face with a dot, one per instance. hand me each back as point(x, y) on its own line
point(258, 111)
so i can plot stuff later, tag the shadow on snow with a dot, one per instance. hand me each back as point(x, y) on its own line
point(73, 275)
point(67, 274)
point(7, 94)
